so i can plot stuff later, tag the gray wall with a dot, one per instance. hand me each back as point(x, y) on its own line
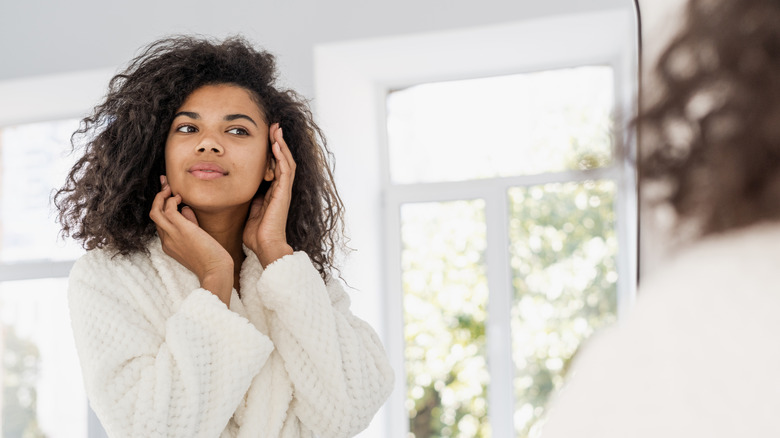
point(41, 37)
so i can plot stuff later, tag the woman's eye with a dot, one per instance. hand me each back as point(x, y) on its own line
point(187, 129)
point(238, 131)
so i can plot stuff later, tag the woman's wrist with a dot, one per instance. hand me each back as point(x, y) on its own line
point(271, 253)
point(219, 283)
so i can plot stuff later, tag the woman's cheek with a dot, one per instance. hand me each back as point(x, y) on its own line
point(176, 185)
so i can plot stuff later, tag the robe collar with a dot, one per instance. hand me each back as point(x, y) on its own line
point(180, 281)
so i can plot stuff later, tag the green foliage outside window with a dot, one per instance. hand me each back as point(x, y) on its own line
point(562, 251)
point(445, 302)
point(21, 362)
point(563, 248)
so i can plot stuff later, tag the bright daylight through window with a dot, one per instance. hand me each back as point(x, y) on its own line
point(42, 393)
point(542, 144)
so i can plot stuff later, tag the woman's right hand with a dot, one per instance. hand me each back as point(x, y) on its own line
point(190, 245)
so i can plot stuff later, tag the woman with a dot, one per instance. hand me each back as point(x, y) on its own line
point(205, 305)
point(699, 355)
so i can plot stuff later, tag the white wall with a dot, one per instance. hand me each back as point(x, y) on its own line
point(42, 37)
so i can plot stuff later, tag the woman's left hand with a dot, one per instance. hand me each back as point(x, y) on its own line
point(265, 230)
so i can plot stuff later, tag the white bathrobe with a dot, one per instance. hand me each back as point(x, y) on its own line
point(162, 357)
point(698, 357)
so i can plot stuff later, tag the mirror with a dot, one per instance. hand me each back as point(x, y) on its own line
point(362, 67)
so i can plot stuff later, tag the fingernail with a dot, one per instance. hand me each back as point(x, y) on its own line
point(280, 130)
point(162, 180)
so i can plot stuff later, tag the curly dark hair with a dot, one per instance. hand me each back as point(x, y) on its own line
point(108, 194)
point(715, 129)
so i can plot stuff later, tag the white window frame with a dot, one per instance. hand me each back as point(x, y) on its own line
point(41, 99)
point(352, 80)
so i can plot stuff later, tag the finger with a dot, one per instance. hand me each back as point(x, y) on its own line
point(162, 233)
point(159, 202)
point(165, 192)
point(285, 148)
point(256, 208)
point(172, 205)
point(283, 172)
point(278, 158)
point(273, 192)
point(189, 215)
point(272, 130)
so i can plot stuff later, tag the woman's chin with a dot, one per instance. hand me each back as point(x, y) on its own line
point(215, 206)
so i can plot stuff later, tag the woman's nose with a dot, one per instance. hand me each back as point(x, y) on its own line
point(211, 145)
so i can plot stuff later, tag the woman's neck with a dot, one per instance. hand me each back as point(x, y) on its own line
point(227, 228)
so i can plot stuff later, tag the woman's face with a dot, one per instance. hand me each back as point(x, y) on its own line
point(217, 153)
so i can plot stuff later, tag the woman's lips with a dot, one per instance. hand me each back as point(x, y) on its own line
point(207, 171)
point(206, 174)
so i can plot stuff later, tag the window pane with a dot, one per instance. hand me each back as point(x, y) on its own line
point(34, 159)
point(445, 300)
point(501, 126)
point(563, 249)
point(43, 393)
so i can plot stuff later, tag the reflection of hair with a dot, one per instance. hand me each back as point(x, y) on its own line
point(108, 194)
point(716, 123)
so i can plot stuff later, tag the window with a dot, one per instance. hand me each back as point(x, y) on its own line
point(42, 390)
point(540, 145)
point(461, 265)
point(43, 393)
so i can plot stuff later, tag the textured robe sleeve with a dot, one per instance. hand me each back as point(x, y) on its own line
point(339, 369)
point(151, 373)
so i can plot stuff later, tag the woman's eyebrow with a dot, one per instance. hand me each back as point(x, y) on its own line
point(231, 117)
point(227, 118)
point(188, 114)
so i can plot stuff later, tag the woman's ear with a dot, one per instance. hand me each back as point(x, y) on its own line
point(269, 169)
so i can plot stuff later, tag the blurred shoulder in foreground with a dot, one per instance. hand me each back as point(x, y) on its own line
point(698, 356)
